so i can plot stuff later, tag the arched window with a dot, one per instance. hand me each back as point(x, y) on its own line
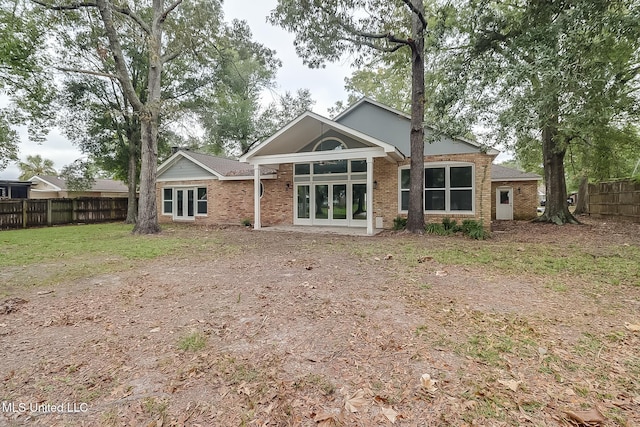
point(330, 144)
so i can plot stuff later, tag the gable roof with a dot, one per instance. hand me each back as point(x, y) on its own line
point(101, 185)
point(503, 173)
point(223, 168)
point(308, 126)
point(429, 130)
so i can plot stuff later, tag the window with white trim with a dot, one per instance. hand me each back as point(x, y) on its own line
point(202, 201)
point(167, 201)
point(447, 188)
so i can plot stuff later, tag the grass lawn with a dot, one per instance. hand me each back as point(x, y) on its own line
point(47, 256)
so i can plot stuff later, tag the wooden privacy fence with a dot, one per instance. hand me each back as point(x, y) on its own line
point(619, 199)
point(25, 213)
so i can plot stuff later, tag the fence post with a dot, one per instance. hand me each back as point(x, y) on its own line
point(74, 210)
point(24, 213)
point(49, 213)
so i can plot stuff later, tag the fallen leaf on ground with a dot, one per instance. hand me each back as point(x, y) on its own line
point(592, 417)
point(390, 414)
point(511, 384)
point(355, 402)
point(424, 258)
point(388, 256)
point(441, 273)
point(632, 327)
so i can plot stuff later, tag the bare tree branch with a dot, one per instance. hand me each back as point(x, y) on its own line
point(118, 56)
point(170, 56)
point(70, 6)
point(417, 12)
point(169, 9)
point(131, 14)
point(93, 73)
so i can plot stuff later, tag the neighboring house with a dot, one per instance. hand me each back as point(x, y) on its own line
point(11, 189)
point(514, 194)
point(351, 171)
point(52, 187)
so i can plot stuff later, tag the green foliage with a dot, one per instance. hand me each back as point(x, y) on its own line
point(469, 227)
point(474, 229)
point(436, 228)
point(246, 222)
point(563, 71)
point(79, 175)
point(399, 223)
point(36, 165)
point(450, 225)
point(24, 83)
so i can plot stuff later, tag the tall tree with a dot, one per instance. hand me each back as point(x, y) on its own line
point(244, 69)
point(167, 32)
point(327, 30)
point(23, 81)
point(36, 165)
point(546, 73)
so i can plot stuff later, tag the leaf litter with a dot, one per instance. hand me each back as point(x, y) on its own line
point(350, 341)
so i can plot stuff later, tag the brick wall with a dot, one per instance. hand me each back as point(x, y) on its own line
point(228, 202)
point(277, 200)
point(231, 202)
point(525, 198)
point(385, 197)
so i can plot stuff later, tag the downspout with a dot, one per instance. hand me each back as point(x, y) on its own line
point(256, 197)
point(484, 179)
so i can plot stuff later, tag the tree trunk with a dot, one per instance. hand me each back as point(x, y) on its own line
point(132, 181)
point(149, 119)
point(583, 197)
point(147, 208)
point(556, 209)
point(415, 219)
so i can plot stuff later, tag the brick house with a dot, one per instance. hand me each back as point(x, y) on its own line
point(514, 194)
point(351, 171)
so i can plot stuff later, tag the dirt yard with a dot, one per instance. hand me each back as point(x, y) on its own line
point(290, 329)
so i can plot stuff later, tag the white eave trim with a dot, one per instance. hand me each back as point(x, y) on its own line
point(54, 187)
point(163, 167)
point(372, 102)
point(515, 179)
point(209, 178)
point(247, 177)
point(318, 156)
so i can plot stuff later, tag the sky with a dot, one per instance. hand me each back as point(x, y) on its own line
point(326, 85)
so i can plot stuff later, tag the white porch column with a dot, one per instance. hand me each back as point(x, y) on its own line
point(256, 197)
point(370, 218)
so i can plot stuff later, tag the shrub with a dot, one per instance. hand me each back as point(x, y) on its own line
point(399, 223)
point(450, 224)
point(469, 227)
point(246, 222)
point(474, 229)
point(436, 228)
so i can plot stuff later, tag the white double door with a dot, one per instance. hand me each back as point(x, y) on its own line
point(331, 203)
point(185, 206)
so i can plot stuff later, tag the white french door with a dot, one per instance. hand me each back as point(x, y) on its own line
point(333, 203)
point(185, 204)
